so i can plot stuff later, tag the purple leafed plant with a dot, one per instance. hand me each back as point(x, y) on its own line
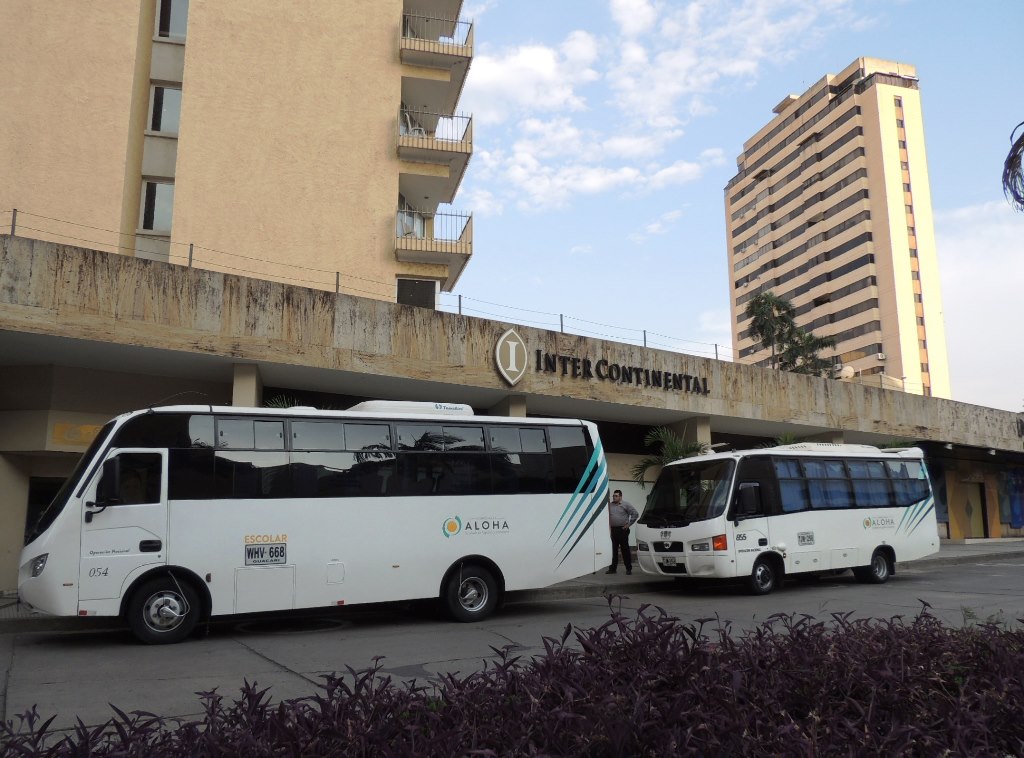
point(641, 685)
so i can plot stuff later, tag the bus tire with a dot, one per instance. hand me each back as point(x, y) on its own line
point(471, 593)
point(763, 578)
point(877, 572)
point(163, 610)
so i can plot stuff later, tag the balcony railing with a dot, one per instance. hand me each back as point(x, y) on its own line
point(455, 130)
point(444, 238)
point(437, 35)
point(440, 43)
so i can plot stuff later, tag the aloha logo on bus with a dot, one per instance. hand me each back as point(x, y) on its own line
point(510, 357)
point(451, 526)
point(489, 525)
point(885, 522)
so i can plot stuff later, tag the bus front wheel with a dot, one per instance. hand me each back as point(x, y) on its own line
point(763, 578)
point(877, 572)
point(471, 593)
point(163, 611)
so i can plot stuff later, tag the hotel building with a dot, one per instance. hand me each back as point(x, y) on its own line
point(315, 143)
point(830, 209)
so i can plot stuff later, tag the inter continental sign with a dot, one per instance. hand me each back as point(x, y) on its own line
point(513, 360)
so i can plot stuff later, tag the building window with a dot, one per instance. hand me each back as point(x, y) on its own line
point(906, 186)
point(920, 320)
point(898, 101)
point(915, 275)
point(171, 19)
point(903, 144)
point(899, 123)
point(904, 165)
point(913, 252)
point(910, 209)
point(924, 368)
point(165, 109)
point(419, 292)
point(911, 231)
point(917, 298)
point(923, 344)
point(157, 206)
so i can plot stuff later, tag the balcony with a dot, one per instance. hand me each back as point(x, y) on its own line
point(425, 137)
point(440, 238)
point(430, 42)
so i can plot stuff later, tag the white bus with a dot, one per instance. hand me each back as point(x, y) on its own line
point(803, 509)
point(177, 514)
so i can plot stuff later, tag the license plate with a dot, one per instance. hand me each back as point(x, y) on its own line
point(267, 554)
point(668, 561)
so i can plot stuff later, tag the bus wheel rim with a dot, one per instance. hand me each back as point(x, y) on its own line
point(881, 566)
point(763, 576)
point(473, 594)
point(164, 611)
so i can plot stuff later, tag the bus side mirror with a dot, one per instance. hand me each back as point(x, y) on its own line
point(749, 500)
point(108, 490)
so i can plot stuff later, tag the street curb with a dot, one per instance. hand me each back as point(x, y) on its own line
point(568, 591)
point(953, 560)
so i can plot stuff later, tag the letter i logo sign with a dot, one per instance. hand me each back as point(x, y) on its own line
point(510, 356)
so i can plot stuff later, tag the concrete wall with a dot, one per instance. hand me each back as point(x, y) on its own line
point(133, 302)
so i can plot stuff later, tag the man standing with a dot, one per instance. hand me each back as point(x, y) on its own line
point(621, 516)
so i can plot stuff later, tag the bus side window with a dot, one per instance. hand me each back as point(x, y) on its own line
point(758, 471)
point(748, 500)
point(139, 478)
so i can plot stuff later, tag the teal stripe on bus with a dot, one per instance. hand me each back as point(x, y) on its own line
point(597, 513)
point(600, 476)
point(596, 500)
point(930, 506)
point(597, 455)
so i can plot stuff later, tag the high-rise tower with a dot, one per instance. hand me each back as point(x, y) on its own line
point(830, 209)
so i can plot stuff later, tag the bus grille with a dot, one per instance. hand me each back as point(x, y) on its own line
point(667, 547)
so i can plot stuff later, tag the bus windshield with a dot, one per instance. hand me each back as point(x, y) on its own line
point(50, 513)
point(689, 492)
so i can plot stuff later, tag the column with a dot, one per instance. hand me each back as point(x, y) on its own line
point(247, 388)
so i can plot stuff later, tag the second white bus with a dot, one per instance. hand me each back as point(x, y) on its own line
point(803, 509)
point(180, 513)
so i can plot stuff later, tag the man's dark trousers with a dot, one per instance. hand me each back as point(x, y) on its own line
point(620, 541)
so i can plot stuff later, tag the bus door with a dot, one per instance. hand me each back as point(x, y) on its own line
point(124, 522)
point(754, 500)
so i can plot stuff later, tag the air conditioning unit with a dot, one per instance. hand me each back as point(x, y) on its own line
point(880, 356)
point(837, 368)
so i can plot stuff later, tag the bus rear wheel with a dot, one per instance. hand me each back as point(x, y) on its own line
point(471, 594)
point(877, 572)
point(163, 611)
point(763, 579)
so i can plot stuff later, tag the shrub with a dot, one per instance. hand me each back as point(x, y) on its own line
point(641, 685)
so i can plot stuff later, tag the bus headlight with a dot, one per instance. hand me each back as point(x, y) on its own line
point(641, 545)
point(38, 564)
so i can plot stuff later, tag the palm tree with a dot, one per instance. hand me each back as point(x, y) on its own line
point(1013, 170)
point(801, 353)
point(771, 318)
point(672, 448)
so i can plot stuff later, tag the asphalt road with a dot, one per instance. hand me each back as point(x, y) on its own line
point(78, 673)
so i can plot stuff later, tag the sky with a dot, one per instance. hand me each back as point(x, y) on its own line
point(605, 131)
